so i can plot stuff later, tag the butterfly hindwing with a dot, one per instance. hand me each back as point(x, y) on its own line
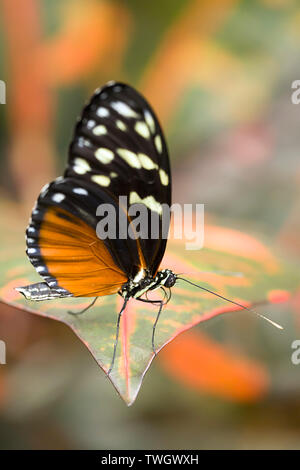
point(66, 251)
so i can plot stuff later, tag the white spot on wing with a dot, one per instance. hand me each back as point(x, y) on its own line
point(58, 197)
point(82, 142)
point(104, 155)
point(80, 191)
point(150, 121)
point(121, 125)
point(102, 180)
point(130, 157)
point(146, 162)
point(81, 166)
point(91, 123)
point(124, 109)
point(158, 143)
point(142, 129)
point(99, 130)
point(164, 178)
point(102, 112)
point(149, 201)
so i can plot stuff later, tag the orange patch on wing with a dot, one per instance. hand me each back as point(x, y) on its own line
point(74, 255)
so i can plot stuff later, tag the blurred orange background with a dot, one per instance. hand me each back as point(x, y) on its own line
point(219, 75)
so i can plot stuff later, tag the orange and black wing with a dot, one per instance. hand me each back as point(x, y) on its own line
point(118, 149)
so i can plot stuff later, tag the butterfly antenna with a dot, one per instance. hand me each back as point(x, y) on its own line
point(235, 303)
point(80, 312)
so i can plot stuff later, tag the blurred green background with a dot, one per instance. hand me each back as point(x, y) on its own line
point(219, 75)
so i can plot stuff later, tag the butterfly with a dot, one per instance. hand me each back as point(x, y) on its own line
point(118, 150)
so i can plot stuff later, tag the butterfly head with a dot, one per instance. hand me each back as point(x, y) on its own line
point(166, 278)
point(136, 288)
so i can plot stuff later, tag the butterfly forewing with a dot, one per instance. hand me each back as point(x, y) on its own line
point(118, 149)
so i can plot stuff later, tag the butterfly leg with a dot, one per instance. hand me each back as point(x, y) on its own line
point(154, 326)
point(117, 336)
point(84, 310)
point(161, 304)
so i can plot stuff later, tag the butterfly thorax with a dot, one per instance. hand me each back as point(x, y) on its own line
point(138, 286)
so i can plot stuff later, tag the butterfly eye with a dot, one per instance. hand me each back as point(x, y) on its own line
point(171, 280)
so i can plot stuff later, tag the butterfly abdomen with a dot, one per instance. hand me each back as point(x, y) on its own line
point(41, 291)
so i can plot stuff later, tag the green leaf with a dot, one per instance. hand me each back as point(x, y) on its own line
point(232, 264)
